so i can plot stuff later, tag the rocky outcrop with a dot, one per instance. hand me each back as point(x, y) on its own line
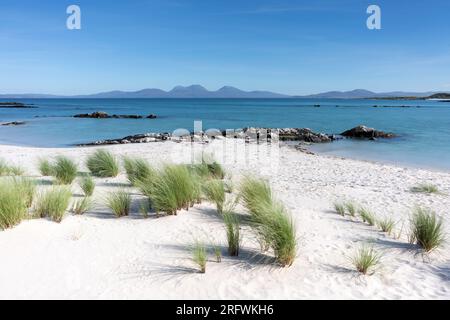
point(104, 115)
point(304, 134)
point(14, 123)
point(363, 132)
point(250, 135)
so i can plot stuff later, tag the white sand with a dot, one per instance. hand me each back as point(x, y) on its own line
point(98, 256)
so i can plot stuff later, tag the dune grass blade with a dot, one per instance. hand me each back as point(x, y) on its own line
point(119, 202)
point(232, 227)
point(426, 229)
point(53, 203)
point(339, 208)
point(425, 188)
point(214, 191)
point(269, 219)
point(45, 167)
point(103, 163)
point(386, 225)
point(64, 170)
point(13, 205)
point(87, 184)
point(81, 206)
point(199, 256)
point(367, 216)
point(137, 170)
point(365, 259)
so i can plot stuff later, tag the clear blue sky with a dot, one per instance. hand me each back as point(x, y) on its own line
point(294, 47)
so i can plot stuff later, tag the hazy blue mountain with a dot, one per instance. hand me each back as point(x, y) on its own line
point(363, 94)
point(193, 91)
point(198, 91)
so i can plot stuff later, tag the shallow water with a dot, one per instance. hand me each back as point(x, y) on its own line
point(424, 128)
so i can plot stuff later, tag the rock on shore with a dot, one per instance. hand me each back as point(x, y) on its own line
point(364, 132)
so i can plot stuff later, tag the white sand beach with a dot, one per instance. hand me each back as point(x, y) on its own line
point(98, 256)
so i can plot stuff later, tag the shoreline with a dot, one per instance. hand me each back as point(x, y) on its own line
point(98, 256)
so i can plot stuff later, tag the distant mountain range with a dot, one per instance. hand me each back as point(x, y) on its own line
point(197, 91)
point(193, 91)
point(366, 94)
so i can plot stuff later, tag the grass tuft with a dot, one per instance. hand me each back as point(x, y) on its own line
point(351, 208)
point(53, 203)
point(64, 170)
point(232, 227)
point(367, 216)
point(81, 206)
point(172, 188)
point(426, 229)
point(87, 184)
point(7, 170)
point(199, 256)
point(339, 208)
point(137, 170)
point(386, 225)
point(27, 189)
point(119, 202)
point(103, 164)
point(45, 167)
point(214, 191)
point(425, 188)
point(366, 259)
point(270, 219)
point(13, 204)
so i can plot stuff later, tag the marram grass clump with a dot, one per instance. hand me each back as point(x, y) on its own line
point(366, 259)
point(339, 208)
point(87, 184)
point(45, 167)
point(13, 204)
point(138, 170)
point(351, 208)
point(9, 170)
point(214, 191)
point(119, 202)
point(386, 225)
point(64, 170)
point(367, 216)
point(81, 206)
point(232, 228)
point(426, 229)
point(172, 188)
point(270, 219)
point(53, 203)
point(199, 255)
point(103, 164)
point(425, 188)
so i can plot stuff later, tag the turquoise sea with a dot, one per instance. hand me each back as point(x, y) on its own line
point(423, 127)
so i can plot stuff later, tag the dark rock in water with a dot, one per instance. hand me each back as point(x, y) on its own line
point(126, 116)
point(152, 116)
point(104, 115)
point(15, 105)
point(14, 123)
point(364, 132)
point(94, 115)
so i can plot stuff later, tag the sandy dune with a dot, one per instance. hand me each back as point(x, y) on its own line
point(97, 256)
